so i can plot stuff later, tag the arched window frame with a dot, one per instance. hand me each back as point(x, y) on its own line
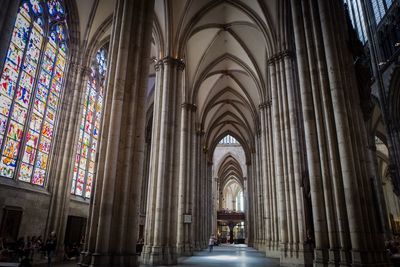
point(84, 169)
point(36, 92)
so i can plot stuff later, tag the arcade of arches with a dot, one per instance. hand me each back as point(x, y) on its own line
point(140, 127)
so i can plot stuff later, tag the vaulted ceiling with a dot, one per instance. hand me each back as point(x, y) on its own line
point(225, 45)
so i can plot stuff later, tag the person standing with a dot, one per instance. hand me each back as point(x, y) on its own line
point(211, 243)
point(51, 245)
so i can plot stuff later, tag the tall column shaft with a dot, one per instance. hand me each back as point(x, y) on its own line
point(118, 206)
point(311, 142)
point(168, 178)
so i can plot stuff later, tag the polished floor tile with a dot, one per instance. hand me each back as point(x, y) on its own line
point(225, 255)
point(229, 256)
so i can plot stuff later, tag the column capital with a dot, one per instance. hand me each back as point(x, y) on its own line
point(262, 106)
point(287, 54)
point(280, 55)
point(265, 105)
point(189, 106)
point(158, 65)
point(178, 62)
point(200, 132)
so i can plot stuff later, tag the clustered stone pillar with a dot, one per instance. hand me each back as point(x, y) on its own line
point(284, 163)
point(114, 209)
point(186, 180)
point(344, 219)
point(168, 179)
point(250, 206)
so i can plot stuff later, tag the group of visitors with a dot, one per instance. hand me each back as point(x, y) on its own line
point(392, 246)
point(24, 249)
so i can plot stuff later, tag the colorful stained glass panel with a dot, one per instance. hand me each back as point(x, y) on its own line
point(26, 80)
point(44, 78)
point(50, 115)
point(15, 130)
point(32, 56)
point(47, 65)
point(39, 106)
point(11, 148)
point(38, 176)
point(5, 105)
point(25, 172)
point(7, 167)
point(32, 138)
point(7, 87)
point(15, 54)
point(42, 92)
point(41, 160)
point(44, 145)
point(3, 124)
point(19, 113)
point(36, 122)
point(10, 72)
point(53, 101)
point(22, 96)
point(21, 31)
point(29, 155)
point(47, 130)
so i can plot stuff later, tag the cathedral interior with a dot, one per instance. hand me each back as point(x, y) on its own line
point(132, 130)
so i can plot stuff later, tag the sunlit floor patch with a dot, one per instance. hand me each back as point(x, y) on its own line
point(229, 255)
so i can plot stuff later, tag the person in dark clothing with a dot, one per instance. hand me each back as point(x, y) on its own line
point(51, 245)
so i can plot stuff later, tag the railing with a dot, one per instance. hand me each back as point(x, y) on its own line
point(228, 215)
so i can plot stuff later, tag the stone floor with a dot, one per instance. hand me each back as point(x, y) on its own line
point(225, 255)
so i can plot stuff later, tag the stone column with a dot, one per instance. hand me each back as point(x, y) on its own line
point(250, 205)
point(258, 211)
point(162, 213)
point(193, 173)
point(199, 193)
point(118, 206)
point(272, 181)
point(8, 15)
point(335, 139)
point(278, 157)
point(313, 161)
point(185, 181)
point(265, 177)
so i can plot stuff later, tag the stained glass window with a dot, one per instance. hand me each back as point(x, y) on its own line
point(380, 8)
point(85, 158)
point(30, 89)
point(357, 18)
point(228, 139)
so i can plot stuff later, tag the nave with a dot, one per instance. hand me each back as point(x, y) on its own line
point(145, 126)
point(224, 255)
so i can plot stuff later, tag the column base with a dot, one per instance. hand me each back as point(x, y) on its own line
point(321, 257)
point(185, 249)
point(197, 246)
point(296, 255)
point(114, 260)
point(85, 259)
point(368, 258)
point(158, 255)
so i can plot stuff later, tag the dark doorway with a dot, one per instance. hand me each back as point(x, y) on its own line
point(75, 231)
point(10, 223)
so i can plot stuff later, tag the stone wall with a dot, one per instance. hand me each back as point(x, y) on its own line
point(34, 203)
